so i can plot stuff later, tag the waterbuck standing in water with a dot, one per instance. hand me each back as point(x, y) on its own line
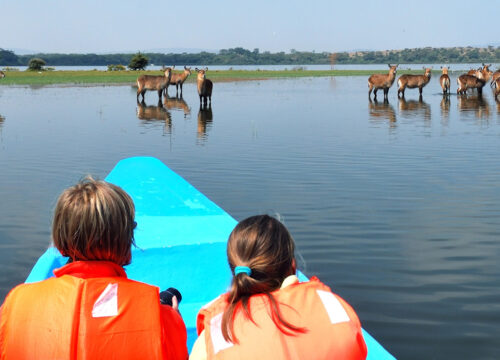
point(153, 82)
point(381, 81)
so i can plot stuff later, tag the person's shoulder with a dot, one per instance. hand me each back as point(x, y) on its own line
point(33, 286)
point(221, 299)
point(290, 280)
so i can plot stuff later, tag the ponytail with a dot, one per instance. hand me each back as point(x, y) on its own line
point(260, 252)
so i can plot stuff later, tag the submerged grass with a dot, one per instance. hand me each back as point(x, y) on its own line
point(96, 77)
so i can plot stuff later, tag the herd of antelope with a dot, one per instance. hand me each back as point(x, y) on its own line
point(160, 83)
point(474, 79)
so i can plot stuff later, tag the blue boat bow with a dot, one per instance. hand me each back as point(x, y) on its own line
point(181, 240)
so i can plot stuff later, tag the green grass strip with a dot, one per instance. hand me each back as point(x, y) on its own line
point(96, 77)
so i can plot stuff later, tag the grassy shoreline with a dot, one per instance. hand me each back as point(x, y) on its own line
point(96, 77)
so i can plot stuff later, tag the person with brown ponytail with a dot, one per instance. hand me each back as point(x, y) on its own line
point(268, 313)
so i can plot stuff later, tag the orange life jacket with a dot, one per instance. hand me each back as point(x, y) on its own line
point(95, 318)
point(333, 330)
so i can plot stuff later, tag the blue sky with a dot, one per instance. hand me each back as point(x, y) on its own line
point(109, 26)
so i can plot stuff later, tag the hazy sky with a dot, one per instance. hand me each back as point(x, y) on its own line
point(107, 26)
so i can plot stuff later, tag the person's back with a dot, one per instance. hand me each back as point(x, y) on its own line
point(90, 310)
point(267, 313)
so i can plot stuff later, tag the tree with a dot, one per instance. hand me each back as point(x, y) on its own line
point(36, 64)
point(8, 57)
point(138, 62)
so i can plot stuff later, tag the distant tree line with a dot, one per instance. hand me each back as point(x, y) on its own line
point(240, 56)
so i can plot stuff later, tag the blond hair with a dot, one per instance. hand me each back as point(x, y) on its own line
point(264, 245)
point(94, 220)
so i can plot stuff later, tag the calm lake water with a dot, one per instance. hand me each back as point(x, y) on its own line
point(396, 206)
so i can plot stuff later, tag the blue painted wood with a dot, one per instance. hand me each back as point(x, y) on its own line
point(181, 240)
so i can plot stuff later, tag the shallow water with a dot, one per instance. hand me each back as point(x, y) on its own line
point(396, 206)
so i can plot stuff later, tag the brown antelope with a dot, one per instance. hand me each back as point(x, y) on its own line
point(382, 81)
point(494, 77)
point(2, 74)
point(204, 86)
point(176, 103)
point(496, 86)
point(444, 81)
point(466, 81)
point(153, 82)
point(178, 79)
point(413, 81)
point(485, 73)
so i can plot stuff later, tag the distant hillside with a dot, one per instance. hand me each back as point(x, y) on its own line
point(240, 56)
point(426, 55)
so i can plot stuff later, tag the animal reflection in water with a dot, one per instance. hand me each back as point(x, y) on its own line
point(445, 108)
point(477, 105)
point(2, 119)
point(177, 103)
point(150, 113)
point(414, 109)
point(205, 118)
point(382, 111)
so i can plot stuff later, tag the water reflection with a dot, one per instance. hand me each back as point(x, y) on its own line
point(333, 83)
point(414, 108)
point(150, 113)
point(476, 105)
point(424, 262)
point(2, 119)
point(205, 119)
point(177, 103)
point(382, 111)
point(445, 109)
